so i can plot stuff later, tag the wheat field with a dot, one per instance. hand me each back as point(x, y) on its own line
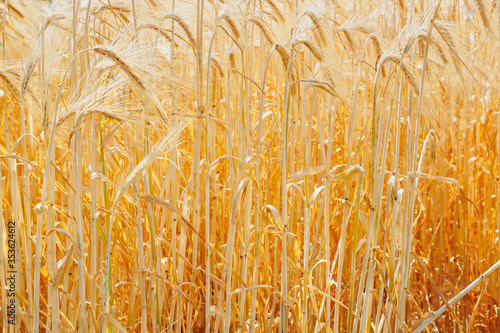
point(250, 166)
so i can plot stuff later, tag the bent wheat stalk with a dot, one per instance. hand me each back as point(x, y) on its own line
point(430, 317)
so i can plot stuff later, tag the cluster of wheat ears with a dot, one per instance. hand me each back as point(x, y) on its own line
point(262, 166)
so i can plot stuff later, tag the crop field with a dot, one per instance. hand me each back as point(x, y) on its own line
point(250, 166)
